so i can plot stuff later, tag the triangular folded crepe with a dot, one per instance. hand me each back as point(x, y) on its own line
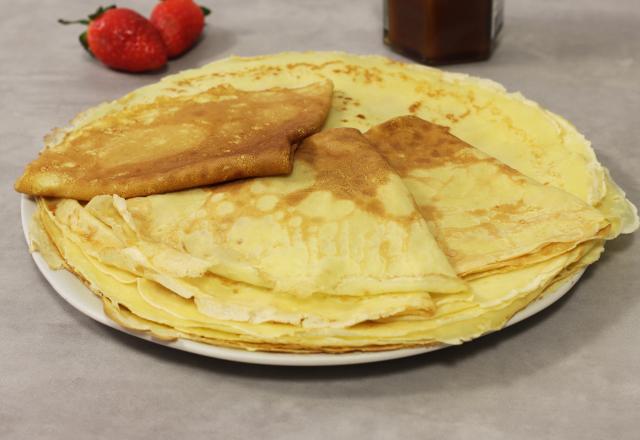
point(343, 222)
point(173, 143)
point(215, 297)
point(485, 215)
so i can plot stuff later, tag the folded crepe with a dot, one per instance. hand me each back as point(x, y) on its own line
point(338, 242)
point(486, 216)
point(261, 264)
point(146, 306)
point(170, 143)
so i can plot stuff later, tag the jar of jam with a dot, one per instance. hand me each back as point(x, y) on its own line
point(443, 31)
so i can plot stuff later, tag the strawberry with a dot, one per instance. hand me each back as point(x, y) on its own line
point(123, 39)
point(180, 23)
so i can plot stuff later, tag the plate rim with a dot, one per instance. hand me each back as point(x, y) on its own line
point(74, 292)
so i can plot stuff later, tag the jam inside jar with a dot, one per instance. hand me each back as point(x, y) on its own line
point(443, 31)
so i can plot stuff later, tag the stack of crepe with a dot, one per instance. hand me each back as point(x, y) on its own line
point(398, 235)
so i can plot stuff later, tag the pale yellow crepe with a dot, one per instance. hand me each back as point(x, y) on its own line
point(368, 90)
point(485, 215)
point(147, 306)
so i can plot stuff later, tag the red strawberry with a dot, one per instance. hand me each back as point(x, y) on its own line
point(180, 23)
point(123, 40)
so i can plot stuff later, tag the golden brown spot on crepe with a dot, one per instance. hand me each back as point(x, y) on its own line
point(361, 116)
point(366, 174)
point(331, 153)
point(490, 228)
point(294, 198)
point(367, 75)
point(431, 146)
point(428, 90)
point(415, 106)
point(311, 66)
point(375, 207)
point(188, 82)
point(512, 213)
point(430, 213)
point(255, 72)
point(512, 208)
point(437, 233)
point(464, 115)
point(513, 174)
point(402, 76)
point(479, 212)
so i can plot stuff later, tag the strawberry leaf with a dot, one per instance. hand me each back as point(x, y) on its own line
point(85, 42)
point(206, 11)
point(101, 10)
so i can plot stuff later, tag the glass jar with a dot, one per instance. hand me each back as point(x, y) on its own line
point(443, 31)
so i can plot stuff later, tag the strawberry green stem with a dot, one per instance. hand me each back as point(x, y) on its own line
point(101, 10)
point(86, 21)
point(63, 21)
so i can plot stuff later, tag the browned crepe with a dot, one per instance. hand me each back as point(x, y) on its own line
point(176, 143)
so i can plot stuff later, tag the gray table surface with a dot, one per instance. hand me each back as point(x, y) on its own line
point(571, 372)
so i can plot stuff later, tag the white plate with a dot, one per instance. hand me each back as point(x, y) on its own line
point(79, 296)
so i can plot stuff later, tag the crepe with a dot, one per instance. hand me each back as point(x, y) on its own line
point(340, 160)
point(176, 142)
point(518, 132)
point(336, 256)
point(485, 215)
point(343, 222)
point(142, 305)
point(369, 90)
point(339, 241)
